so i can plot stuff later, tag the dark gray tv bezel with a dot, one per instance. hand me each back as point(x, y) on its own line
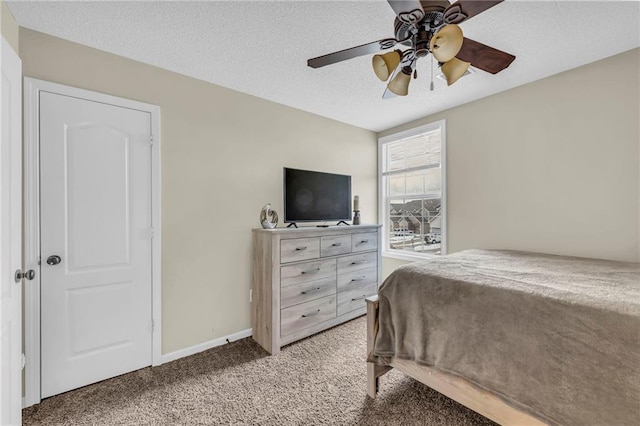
point(284, 196)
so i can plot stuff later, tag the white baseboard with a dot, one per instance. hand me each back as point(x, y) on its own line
point(172, 356)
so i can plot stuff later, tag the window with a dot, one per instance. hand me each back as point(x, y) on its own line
point(412, 192)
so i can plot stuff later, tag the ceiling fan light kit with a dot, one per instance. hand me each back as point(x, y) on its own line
point(423, 27)
point(400, 83)
point(446, 43)
point(454, 69)
point(384, 65)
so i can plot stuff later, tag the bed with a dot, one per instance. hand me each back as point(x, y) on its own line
point(522, 338)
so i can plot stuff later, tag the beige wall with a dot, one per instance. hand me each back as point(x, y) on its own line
point(222, 158)
point(9, 26)
point(551, 166)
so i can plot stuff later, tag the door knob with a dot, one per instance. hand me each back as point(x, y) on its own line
point(29, 275)
point(53, 260)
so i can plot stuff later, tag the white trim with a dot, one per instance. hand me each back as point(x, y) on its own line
point(382, 214)
point(405, 255)
point(172, 356)
point(32, 89)
point(31, 244)
point(444, 244)
point(156, 242)
point(11, 169)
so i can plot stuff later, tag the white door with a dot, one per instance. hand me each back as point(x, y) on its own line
point(10, 238)
point(95, 194)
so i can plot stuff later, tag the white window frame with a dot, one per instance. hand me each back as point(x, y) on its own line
point(383, 212)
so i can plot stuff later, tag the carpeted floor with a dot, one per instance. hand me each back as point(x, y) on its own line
point(319, 380)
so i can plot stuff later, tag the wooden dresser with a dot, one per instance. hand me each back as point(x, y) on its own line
point(309, 279)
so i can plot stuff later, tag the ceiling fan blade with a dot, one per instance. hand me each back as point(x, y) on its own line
point(352, 52)
point(409, 11)
point(466, 9)
point(388, 94)
point(484, 57)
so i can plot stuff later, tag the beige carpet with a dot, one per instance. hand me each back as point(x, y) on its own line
point(320, 380)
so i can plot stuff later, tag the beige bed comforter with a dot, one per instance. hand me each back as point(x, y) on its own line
point(558, 337)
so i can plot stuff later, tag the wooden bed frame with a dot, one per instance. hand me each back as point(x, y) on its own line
point(454, 387)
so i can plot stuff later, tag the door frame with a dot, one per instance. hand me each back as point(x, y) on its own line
point(32, 89)
point(12, 68)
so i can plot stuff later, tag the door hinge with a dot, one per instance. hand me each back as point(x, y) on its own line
point(152, 232)
point(151, 140)
point(23, 361)
point(153, 325)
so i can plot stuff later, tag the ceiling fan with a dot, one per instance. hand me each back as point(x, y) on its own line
point(426, 26)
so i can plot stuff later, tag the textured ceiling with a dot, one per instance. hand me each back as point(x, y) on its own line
point(261, 47)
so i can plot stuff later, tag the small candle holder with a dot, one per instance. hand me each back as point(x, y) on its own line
point(356, 217)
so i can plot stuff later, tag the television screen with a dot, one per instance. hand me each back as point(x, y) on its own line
point(316, 196)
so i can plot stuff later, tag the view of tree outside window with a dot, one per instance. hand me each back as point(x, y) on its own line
point(412, 192)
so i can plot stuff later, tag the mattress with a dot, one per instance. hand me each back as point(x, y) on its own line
point(555, 336)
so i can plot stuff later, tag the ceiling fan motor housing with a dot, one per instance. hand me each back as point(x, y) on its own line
point(418, 35)
point(422, 43)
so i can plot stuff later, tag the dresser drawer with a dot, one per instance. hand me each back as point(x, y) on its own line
point(307, 271)
point(304, 315)
point(295, 249)
point(332, 245)
point(300, 293)
point(353, 298)
point(356, 278)
point(356, 262)
point(365, 241)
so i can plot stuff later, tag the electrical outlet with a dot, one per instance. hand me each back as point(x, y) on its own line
point(250, 295)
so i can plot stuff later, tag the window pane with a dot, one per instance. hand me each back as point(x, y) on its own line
point(433, 226)
point(415, 226)
point(396, 158)
point(433, 181)
point(404, 229)
point(415, 182)
point(416, 151)
point(433, 148)
point(397, 185)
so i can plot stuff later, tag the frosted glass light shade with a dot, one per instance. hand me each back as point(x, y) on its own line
point(384, 65)
point(446, 43)
point(454, 69)
point(400, 83)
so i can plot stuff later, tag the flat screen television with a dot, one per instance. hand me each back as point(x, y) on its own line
point(315, 196)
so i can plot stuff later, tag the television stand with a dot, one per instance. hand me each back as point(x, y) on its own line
point(341, 264)
point(342, 221)
point(292, 224)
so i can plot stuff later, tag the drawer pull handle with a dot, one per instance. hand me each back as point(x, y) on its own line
point(358, 262)
point(336, 244)
point(313, 290)
point(311, 271)
point(359, 279)
point(358, 298)
point(311, 314)
point(364, 241)
point(301, 248)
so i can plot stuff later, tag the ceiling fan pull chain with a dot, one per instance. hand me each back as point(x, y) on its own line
point(431, 86)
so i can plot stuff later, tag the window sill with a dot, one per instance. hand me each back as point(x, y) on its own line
point(407, 256)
